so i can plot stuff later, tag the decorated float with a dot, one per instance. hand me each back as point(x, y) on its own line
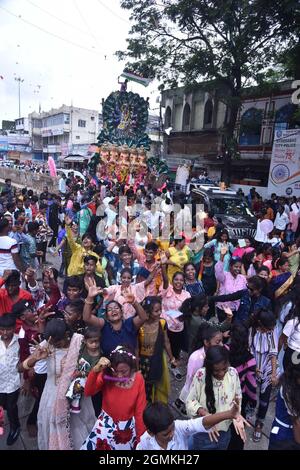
point(124, 143)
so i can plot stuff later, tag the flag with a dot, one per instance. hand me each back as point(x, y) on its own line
point(134, 77)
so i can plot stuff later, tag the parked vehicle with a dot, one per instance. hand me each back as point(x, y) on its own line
point(67, 173)
point(233, 209)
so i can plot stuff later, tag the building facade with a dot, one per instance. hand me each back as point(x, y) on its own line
point(193, 124)
point(54, 133)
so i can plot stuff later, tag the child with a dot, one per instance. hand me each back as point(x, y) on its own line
point(49, 293)
point(163, 433)
point(88, 357)
point(73, 315)
point(73, 291)
point(35, 379)
point(263, 343)
point(9, 376)
point(153, 342)
point(120, 423)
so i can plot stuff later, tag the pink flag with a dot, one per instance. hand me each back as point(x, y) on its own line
point(52, 167)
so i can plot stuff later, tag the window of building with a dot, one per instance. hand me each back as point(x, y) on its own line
point(66, 118)
point(286, 117)
point(78, 137)
point(186, 120)
point(250, 129)
point(81, 123)
point(92, 118)
point(168, 117)
point(208, 113)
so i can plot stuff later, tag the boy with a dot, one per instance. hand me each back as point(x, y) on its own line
point(163, 433)
point(9, 376)
point(35, 378)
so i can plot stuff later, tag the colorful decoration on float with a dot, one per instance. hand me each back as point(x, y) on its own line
point(123, 141)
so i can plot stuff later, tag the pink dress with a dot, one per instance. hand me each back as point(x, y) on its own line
point(196, 361)
point(115, 293)
point(173, 301)
point(229, 285)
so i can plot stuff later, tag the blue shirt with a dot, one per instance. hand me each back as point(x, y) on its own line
point(110, 338)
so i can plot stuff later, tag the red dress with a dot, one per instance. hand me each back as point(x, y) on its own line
point(120, 423)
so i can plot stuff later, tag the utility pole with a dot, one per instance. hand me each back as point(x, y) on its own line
point(19, 80)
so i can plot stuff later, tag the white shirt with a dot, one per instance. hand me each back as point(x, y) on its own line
point(62, 186)
point(8, 246)
point(295, 208)
point(281, 221)
point(292, 331)
point(9, 358)
point(260, 236)
point(183, 430)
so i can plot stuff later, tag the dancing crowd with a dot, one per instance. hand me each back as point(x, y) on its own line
point(96, 341)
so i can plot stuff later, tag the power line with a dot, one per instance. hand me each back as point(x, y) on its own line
point(19, 17)
point(57, 18)
point(113, 12)
point(89, 30)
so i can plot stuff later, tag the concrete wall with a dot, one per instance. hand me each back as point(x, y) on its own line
point(29, 180)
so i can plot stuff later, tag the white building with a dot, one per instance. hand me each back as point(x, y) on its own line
point(54, 133)
point(22, 125)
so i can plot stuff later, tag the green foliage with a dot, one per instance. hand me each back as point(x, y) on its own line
point(233, 42)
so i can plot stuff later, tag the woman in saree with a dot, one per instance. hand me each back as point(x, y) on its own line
point(282, 278)
point(153, 343)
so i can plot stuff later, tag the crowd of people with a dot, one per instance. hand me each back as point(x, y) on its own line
point(96, 341)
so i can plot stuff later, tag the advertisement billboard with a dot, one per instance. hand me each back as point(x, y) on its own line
point(284, 175)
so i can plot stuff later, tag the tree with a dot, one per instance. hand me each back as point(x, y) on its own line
point(229, 42)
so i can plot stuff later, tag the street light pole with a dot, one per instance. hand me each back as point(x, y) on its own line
point(19, 80)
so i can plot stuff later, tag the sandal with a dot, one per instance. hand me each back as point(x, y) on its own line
point(178, 376)
point(180, 406)
point(257, 434)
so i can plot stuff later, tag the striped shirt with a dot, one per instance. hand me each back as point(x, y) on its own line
point(8, 246)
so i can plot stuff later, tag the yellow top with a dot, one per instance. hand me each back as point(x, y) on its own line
point(76, 266)
point(180, 258)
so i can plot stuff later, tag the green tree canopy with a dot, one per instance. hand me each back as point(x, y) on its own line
point(228, 41)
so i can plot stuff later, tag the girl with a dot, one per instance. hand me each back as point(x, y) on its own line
point(119, 292)
point(58, 429)
point(248, 269)
point(193, 286)
point(207, 336)
point(195, 310)
point(285, 430)
point(172, 298)
point(291, 335)
point(263, 343)
point(153, 342)
point(221, 242)
point(88, 357)
point(177, 256)
point(243, 361)
point(229, 282)
point(114, 328)
point(207, 272)
point(120, 424)
point(214, 388)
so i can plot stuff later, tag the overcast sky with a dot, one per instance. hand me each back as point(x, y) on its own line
point(56, 72)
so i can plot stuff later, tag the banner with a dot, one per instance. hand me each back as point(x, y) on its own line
point(284, 176)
